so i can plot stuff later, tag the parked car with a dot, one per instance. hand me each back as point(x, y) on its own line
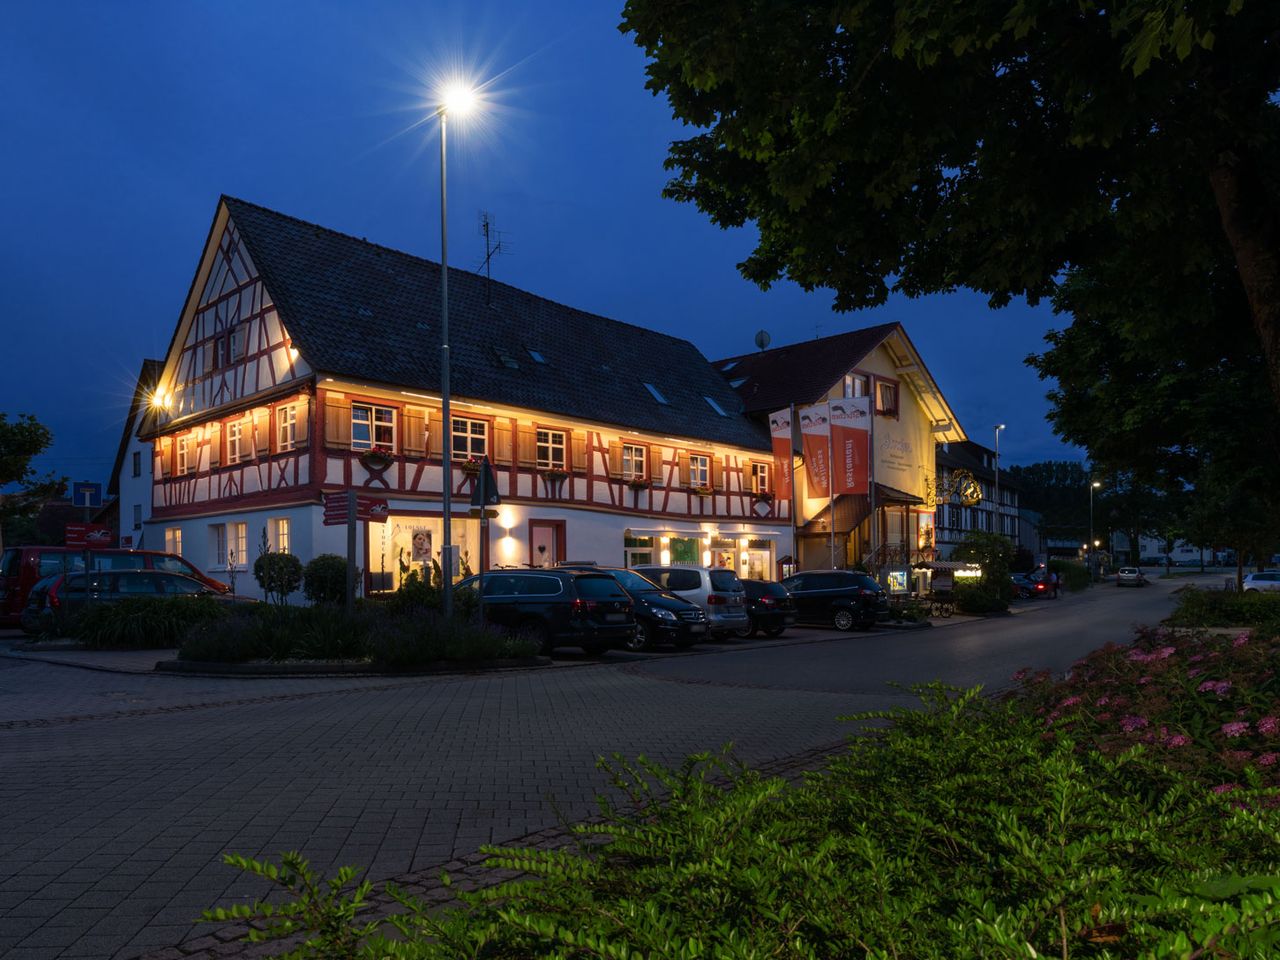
point(717, 590)
point(1130, 577)
point(559, 607)
point(54, 600)
point(22, 567)
point(1265, 581)
point(661, 616)
point(843, 599)
point(1028, 587)
point(770, 608)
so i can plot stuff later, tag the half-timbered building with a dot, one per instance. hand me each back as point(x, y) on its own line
point(306, 362)
point(890, 529)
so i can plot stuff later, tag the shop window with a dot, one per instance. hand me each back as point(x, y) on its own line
point(551, 449)
point(373, 427)
point(470, 438)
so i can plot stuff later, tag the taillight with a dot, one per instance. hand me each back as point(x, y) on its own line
point(583, 606)
point(767, 601)
point(51, 598)
point(715, 598)
point(863, 591)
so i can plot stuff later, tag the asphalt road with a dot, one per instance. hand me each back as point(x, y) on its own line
point(118, 793)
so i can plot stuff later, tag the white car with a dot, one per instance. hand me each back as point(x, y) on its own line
point(1270, 580)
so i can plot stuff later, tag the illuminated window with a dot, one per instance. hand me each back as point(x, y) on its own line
point(373, 428)
point(886, 398)
point(173, 540)
point(855, 385)
point(760, 478)
point(184, 455)
point(286, 427)
point(633, 462)
point(699, 470)
point(236, 450)
point(280, 534)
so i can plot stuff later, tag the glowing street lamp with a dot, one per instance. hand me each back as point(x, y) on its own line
point(457, 99)
point(1092, 487)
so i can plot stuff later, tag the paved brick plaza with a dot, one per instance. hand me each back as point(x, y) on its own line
point(115, 825)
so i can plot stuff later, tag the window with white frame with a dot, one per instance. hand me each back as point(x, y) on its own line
point(286, 427)
point(759, 478)
point(173, 540)
point(218, 544)
point(238, 541)
point(235, 441)
point(634, 465)
point(372, 427)
point(280, 534)
point(550, 449)
point(855, 385)
point(699, 470)
point(184, 455)
point(470, 438)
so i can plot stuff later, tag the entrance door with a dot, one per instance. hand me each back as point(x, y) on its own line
point(546, 543)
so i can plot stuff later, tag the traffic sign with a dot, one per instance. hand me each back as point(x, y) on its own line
point(373, 509)
point(488, 514)
point(86, 494)
point(485, 491)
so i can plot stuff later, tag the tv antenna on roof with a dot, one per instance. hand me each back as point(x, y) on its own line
point(763, 339)
point(494, 244)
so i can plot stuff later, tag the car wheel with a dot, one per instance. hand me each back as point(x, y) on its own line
point(748, 631)
point(842, 620)
point(639, 639)
point(773, 631)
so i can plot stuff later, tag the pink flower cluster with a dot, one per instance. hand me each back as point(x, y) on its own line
point(1164, 653)
point(1236, 729)
point(1241, 639)
point(1131, 723)
point(1220, 687)
point(1269, 726)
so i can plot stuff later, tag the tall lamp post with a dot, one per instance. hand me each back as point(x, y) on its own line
point(998, 518)
point(457, 100)
point(1092, 546)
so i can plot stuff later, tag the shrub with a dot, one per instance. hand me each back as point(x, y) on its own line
point(993, 553)
point(250, 633)
point(408, 643)
point(324, 579)
point(144, 622)
point(1223, 608)
point(1205, 704)
point(279, 574)
point(978, 598)
point(1071, 575)
point(954, 831)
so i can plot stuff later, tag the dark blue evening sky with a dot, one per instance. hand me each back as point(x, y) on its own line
point(124, 121)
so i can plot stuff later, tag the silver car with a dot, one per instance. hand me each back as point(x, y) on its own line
point(1130, 577)
point(1269, 580)
point(717, 590)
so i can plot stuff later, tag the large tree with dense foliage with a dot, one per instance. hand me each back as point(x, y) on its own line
point(21, 440)
point(924, 145)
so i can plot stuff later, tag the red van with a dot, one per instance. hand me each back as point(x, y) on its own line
point(21, 567)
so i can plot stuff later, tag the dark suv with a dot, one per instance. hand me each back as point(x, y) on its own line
point(561, 608)
point(661, 617)
point(769, 606)
point(840, 598)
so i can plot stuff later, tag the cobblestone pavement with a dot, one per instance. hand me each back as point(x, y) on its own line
point(115, 822)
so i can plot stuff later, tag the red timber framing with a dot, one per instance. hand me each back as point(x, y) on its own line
point(593, 466)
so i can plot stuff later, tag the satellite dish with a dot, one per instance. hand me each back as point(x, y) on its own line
point(763, 339)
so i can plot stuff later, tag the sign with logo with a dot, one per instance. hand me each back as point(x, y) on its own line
point(815, 434)
point(89, 535)
point(780, 436)
point(372, 509)
point(86, 494)
point(851, 444)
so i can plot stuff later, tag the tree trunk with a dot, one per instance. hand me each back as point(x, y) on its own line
point(1252, 228)
point(1239, 569)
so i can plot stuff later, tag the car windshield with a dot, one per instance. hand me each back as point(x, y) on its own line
point(633, 582)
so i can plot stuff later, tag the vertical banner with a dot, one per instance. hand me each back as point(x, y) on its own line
point(780, 433)
point(815, 433)
point(851, 444)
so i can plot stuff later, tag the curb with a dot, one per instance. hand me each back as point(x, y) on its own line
point(285, 669)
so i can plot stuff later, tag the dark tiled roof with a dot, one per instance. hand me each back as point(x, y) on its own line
point(358, 310)
point(802, 372)
point(968, 455)
point(148, 377)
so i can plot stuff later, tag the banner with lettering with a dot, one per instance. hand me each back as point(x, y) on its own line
point(815, 438)
point(851, 444)
point(780, 433)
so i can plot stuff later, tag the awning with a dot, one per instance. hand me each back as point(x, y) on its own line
point(851, 510)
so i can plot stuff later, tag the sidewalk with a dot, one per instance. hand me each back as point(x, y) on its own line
point(68, 654)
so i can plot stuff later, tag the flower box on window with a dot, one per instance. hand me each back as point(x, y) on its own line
point(554, 474)
point(764, 496)
point(636, 483)
point(701, 491)
point(470, 466)
point(375, 460)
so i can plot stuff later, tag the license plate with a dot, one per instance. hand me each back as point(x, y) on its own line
point(734, 610)
point(615, 617)
point(697, 628)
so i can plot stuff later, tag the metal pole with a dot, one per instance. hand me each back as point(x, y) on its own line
point(998, 526)
point(351, 551)
point(791, 455)
point(446, 467)
point(1090, 550)
point(831, 489)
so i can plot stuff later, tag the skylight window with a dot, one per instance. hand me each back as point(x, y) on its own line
point(739, 382)
point(715, 406)
point(729, 366)
point(657, 394)
point(507, 359)
point(537, 357)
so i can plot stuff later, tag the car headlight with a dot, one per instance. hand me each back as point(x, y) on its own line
point(663, 614)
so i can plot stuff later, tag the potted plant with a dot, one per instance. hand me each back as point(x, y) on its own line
point(638, 483)
point(553, 475)
point(470, 466)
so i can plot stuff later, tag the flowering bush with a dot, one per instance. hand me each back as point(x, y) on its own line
point(1203, 703)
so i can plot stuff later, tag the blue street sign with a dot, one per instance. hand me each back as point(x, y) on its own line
point(85, 494)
